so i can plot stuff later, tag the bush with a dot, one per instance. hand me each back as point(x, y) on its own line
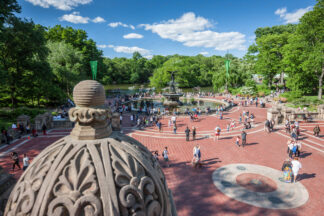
point(9, 116)
point(263, 89)
point(247, 90)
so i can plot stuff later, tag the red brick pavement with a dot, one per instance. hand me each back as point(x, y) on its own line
point(193, 190)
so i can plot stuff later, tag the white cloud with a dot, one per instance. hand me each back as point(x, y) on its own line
point(125, 49)
point(128, 50)
point(59, 4)
point(192, 31)
point(102, 46)
point(148, 56)
point(116, 24)
point(98, 20)
point(74, 18)
point(133, 36)
point(292, 17)
point(204, 53)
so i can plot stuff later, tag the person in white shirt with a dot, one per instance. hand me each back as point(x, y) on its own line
point(14, 126)
point(217, 133)
point(296, 165)
point(25, 162)
point(165, 156)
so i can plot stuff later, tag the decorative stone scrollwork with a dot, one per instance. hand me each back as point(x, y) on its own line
point(137, 192)
point(93, 171)
point(89, 115)
point(75, 192)
point(24, 194)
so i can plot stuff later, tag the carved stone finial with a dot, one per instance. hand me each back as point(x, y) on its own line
point(92, 172)
point(91, 118)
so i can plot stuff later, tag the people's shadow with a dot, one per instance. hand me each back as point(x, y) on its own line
point(254, 143)
point(306, 176)
point(304, 154)
point(208, 162)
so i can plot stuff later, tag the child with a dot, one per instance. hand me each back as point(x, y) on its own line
point(233, 124)
point(237, 142)
point(228, 127)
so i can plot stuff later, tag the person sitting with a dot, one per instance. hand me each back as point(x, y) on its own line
point(316, 130)
point(247, 125)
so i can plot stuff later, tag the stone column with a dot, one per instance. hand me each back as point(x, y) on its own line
point(23, 120)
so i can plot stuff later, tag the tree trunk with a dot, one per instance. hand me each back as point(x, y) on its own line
point(282, 78)
point(320, 84)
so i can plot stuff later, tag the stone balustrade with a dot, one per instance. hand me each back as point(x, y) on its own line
point(280, 114)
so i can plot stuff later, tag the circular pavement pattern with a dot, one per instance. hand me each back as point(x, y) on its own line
point(228, 179)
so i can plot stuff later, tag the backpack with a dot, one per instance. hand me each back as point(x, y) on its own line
point(294, 149)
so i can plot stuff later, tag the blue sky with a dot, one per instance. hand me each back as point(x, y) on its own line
point(167, 27)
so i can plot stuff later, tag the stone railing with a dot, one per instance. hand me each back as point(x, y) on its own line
point(64, 124)
point(281, 113)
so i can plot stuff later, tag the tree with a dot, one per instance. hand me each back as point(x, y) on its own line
point(22, 56)
point(78, 39)
point(269, 49)
point(66, 64)
point(311, 34)
point(7, 10)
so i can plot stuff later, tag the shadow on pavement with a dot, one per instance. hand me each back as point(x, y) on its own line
point(306, 176)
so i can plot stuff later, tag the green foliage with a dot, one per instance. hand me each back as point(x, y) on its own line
point(66, 64)
point(263, 90)
point(10, 116)
point(7, 9)
point(23, 61)
point(247, 91)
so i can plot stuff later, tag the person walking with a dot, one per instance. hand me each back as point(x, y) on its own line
point(237, 142)
point(193, 133)
point(15, 159)
point(296, 166)
point(196, 156)
point(25, 162)
point(166, 156)
point(44, 129)
point(290, 148)
point(299, 146)
point(243, 136)
point(217, 133)
point(174, 128)
point(187, 131)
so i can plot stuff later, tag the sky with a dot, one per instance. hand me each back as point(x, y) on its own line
point(167, 27)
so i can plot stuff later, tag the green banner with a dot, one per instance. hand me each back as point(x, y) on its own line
point(227, 66)
point(94, 66)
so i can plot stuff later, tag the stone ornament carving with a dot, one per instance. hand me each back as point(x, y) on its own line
point(113, 175)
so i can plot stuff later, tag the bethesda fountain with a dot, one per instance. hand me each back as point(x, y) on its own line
point(172, 97)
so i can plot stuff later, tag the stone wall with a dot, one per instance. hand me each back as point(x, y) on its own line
point(66, 124)
point(280, 114)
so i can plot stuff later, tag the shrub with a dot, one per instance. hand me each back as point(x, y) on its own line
point(247, 90)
